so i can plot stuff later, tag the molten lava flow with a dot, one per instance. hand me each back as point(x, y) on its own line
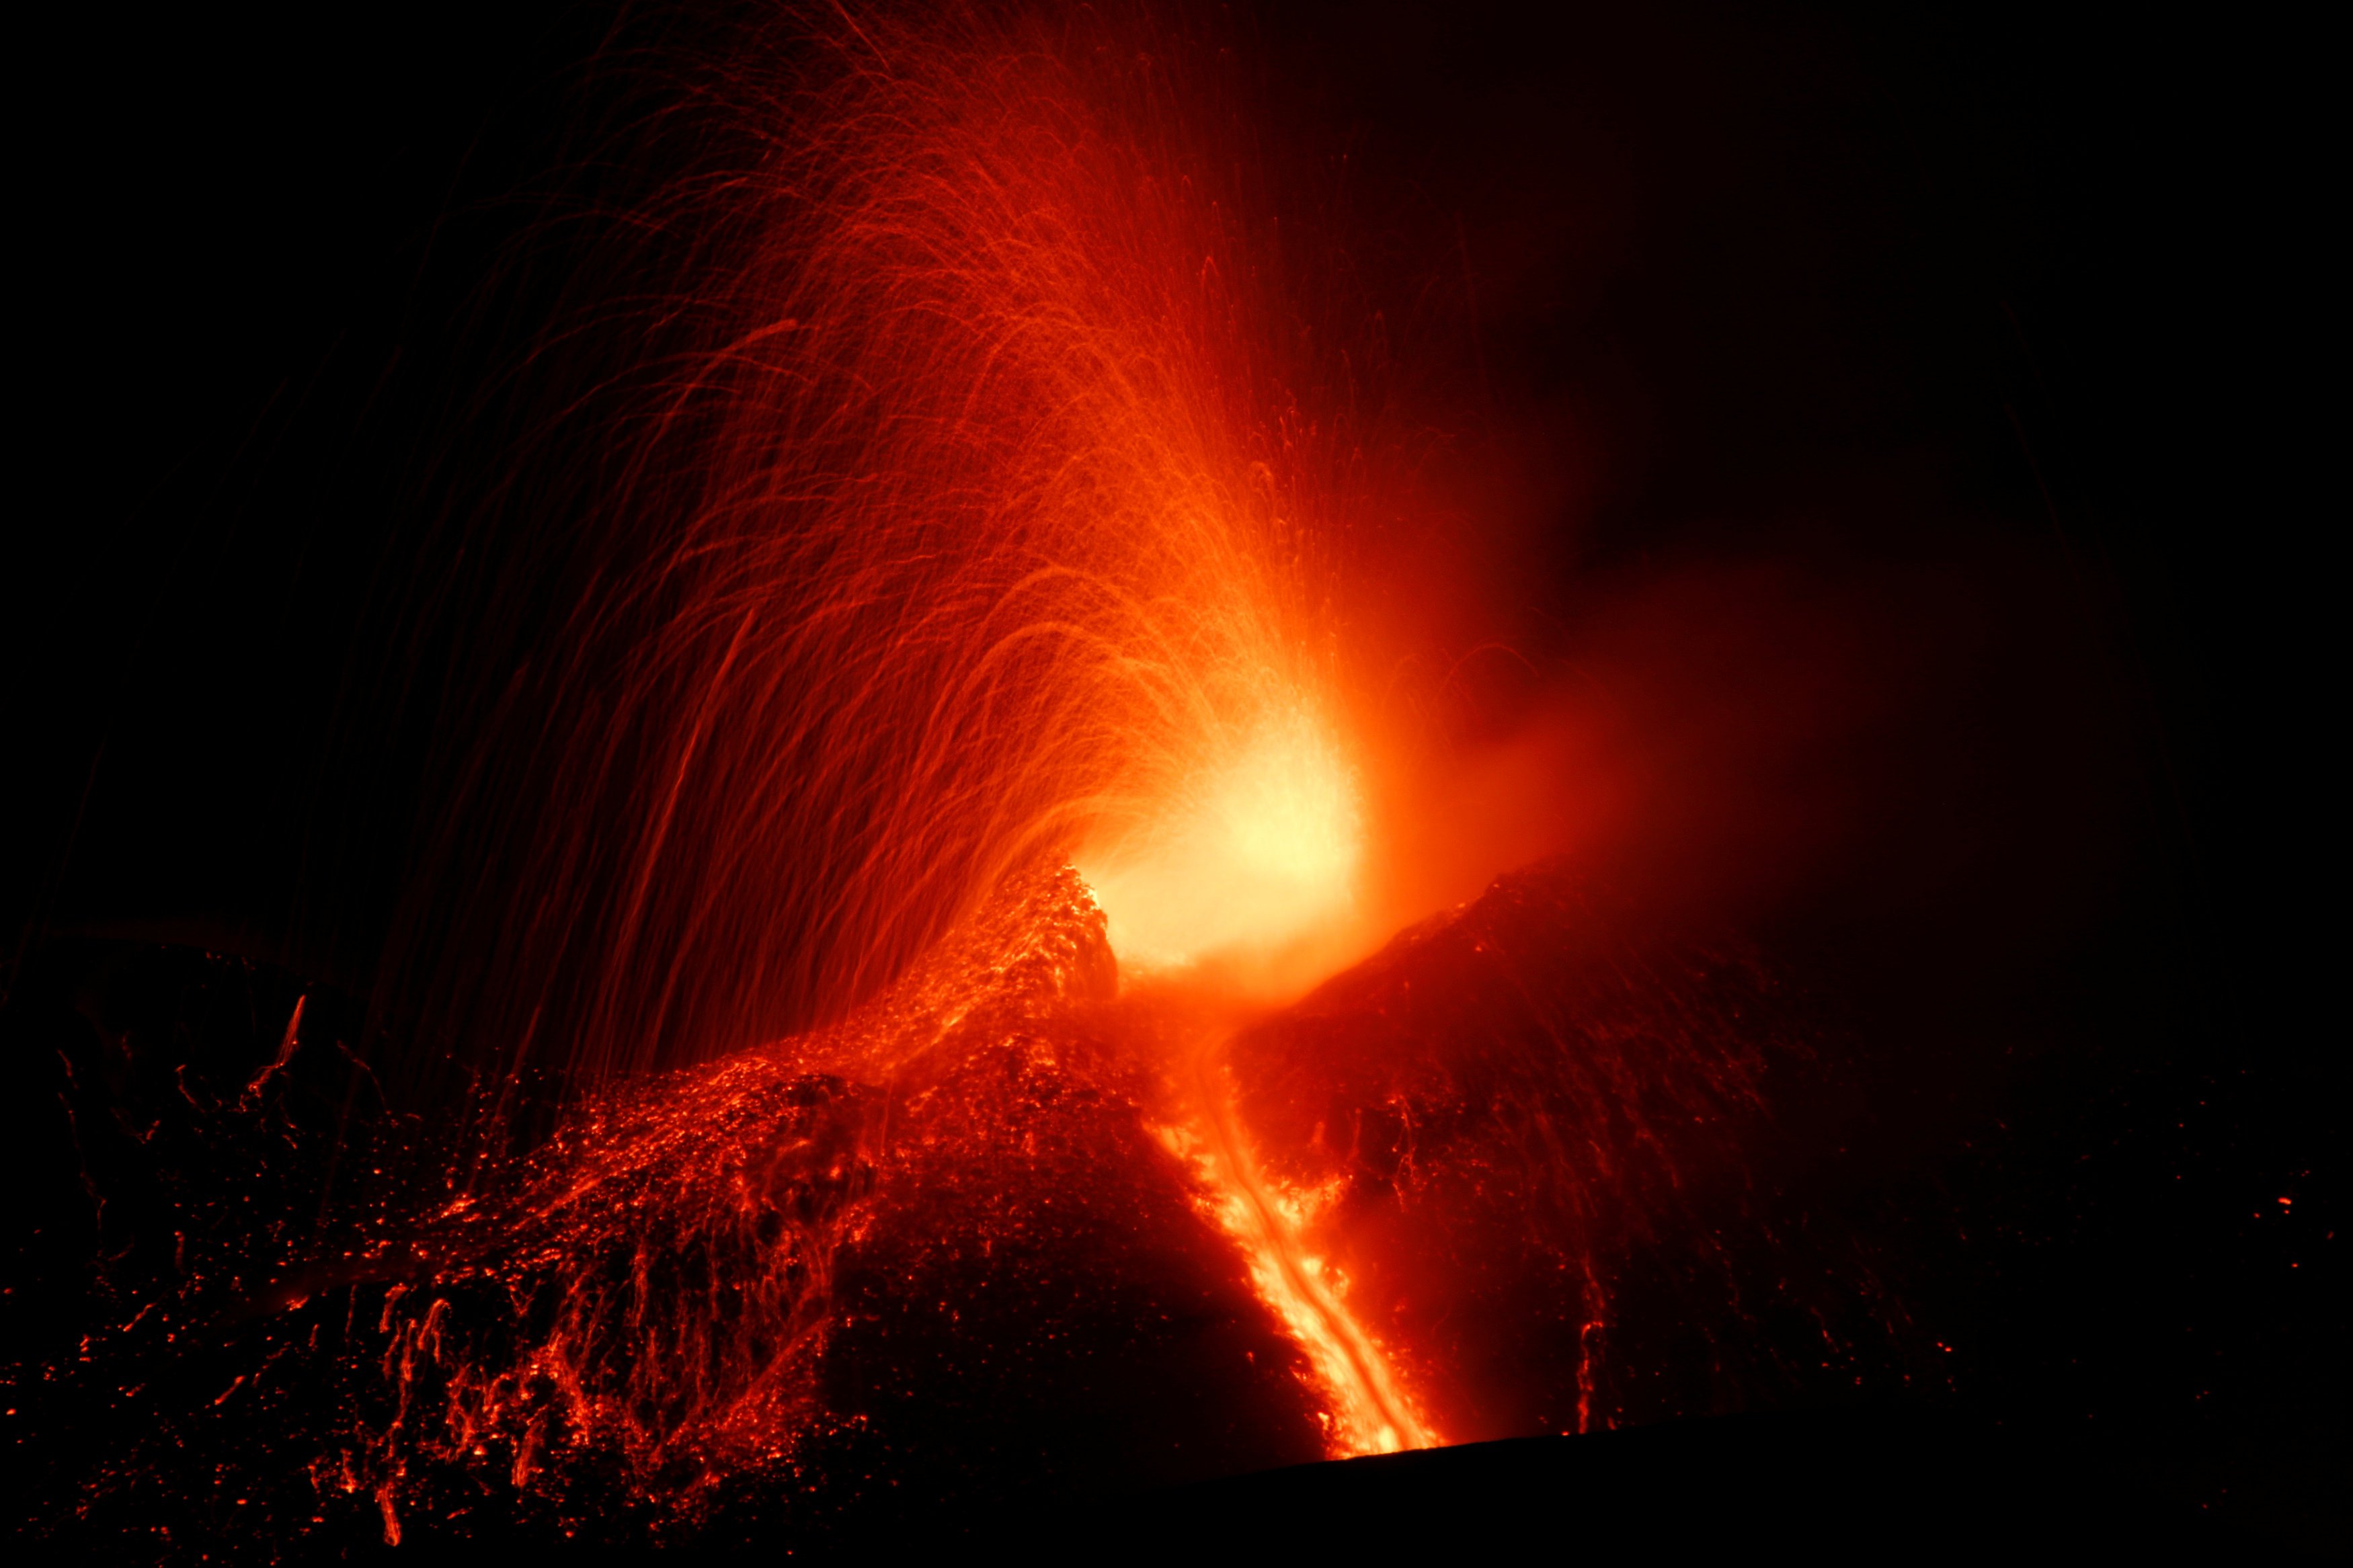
point(1371, 1414)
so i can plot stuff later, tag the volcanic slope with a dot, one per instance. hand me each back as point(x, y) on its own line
point(959, 1251)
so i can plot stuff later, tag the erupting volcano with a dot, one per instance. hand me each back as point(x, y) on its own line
point(970, 600)
point(946, 954)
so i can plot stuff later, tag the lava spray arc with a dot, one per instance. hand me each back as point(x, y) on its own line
point(996, 508)
point(997, 513)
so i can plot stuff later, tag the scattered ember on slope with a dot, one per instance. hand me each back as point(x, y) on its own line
point(907, 1220)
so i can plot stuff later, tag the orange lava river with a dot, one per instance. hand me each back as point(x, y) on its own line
point(1371, 1411)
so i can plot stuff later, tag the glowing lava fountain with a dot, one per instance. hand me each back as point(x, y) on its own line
point(988, 493)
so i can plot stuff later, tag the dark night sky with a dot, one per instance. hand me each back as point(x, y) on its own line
point(1840, 291)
